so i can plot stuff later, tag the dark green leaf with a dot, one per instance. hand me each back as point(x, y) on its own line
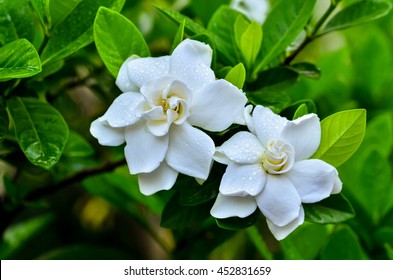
point(290, 111)
point(49, 69)
point(179, 36)
point(16, 236)
point(77, 146)
point(282, 26)
point(358, 13)
point(343, 245)
point(237, 75)
point(59, 10)
point(41, 7)
point(277, 101)
point(3, 120)
point(40, 130)
point(306, 69)
point(236, 223)
point(389, 251)
point(193, 193)
point(384, 235)
point(76, 31)
point(19, 59)
point(204, 9)
point(275, 79)
point(113, 48)
point(334, 209)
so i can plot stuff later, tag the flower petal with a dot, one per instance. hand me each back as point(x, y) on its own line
point(163, 178)
point(283, 231)
point(304, 134)
point(123, 82)
point(142, 70)
point(233, 206)
point(144, 152)
point(125, 110)
point(190, 63)
point(216, 106)
point(107, 135)
point(313, 179)
point(243, 180)
point(190, 151)
point(267, 124)
point(248, 118)
point(279, 201)
point(243, 148)
point(337, 184)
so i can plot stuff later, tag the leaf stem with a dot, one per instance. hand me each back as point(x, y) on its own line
point(259, 242)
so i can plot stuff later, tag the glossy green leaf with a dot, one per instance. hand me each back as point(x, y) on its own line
point(237, 75)
point(334, 209)
point(277, 101)
point(59, 10)
point(77, 146)
point(16, 236)
point(178, 36)
point(42, 9)
point(275, 79)
point(343, 245)
point(301, 111)
point(3, 120)
point(49, 69)
point(76, 30)
point(40, 130)
point(290, 111)
point(236, 223)
point(221, 27)
point(282, 26)
point(306, 69)
point(19, 59)
point(117, 39)
point(358, 13)
point(342, 134)
point(250, 43)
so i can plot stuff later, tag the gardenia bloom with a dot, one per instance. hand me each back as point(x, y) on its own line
point(270, 169)
point(163, 99)
point(254, 9)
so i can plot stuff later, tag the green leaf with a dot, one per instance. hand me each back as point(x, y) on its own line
point(290, 111)
point(221, 28)
point(40, 130)
point(76, 30)
point(18, 235)
point(3, 120)
point(19, 59)
point(358, 13)
point(301, 111)
point(343, 245)
point(276, 101)
point(191, 26)
point(282, 26)
point(342, 134)
point(236, 223)
point(250, 41)
point(77, 146)
point(275, 79)
point(389, 251)
point(294, 247)
point(237, 75)
point(334, 209)
point(59, 10)
point(178, 36)
point(384, 235)
point(112, 47)
point(306, 69)
point(41, 7)
point(49, 69)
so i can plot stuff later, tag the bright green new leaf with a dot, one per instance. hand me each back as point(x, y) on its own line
point(301, 111)
point(117, 39)
point(178, 36)
point(76, 30)
point(40, 130)
point(334, 209)
point(343, 245)
point(237, 75)
point(342, 134)
point(3, 120)
point(250, 43)
point(18, 235)
point(358, 13)
point(19, 59)
point(282, 26)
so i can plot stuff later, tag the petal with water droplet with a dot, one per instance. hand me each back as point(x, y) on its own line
point(233, 206)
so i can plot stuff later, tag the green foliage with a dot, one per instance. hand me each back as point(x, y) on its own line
point(41, 131)
point(237, 75)
point(3, 120)
point(342, 134)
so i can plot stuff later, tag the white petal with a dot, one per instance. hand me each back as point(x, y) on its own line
point(313, 179)
point(190, 63)
point(144, 152)
point(142, 70)
point(267, 124)
point(107, 135)
point(233, 206)
point(243, 147)
point(158, 127)
point(125, 110)
point(122, 81)
point(337, 184)
point(304, 134)
point(190, 151)
point(248, 118)
point(216, 106)
point(279, 201)
point(283, 231)
point(243, 180)
point(163, 178)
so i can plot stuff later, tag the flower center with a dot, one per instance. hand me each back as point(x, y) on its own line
point(279, 157)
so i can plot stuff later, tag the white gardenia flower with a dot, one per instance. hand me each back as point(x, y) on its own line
point(270, 169)
point(253, 9)
point(163, 99)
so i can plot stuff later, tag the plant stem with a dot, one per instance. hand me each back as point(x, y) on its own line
point(259, 243)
